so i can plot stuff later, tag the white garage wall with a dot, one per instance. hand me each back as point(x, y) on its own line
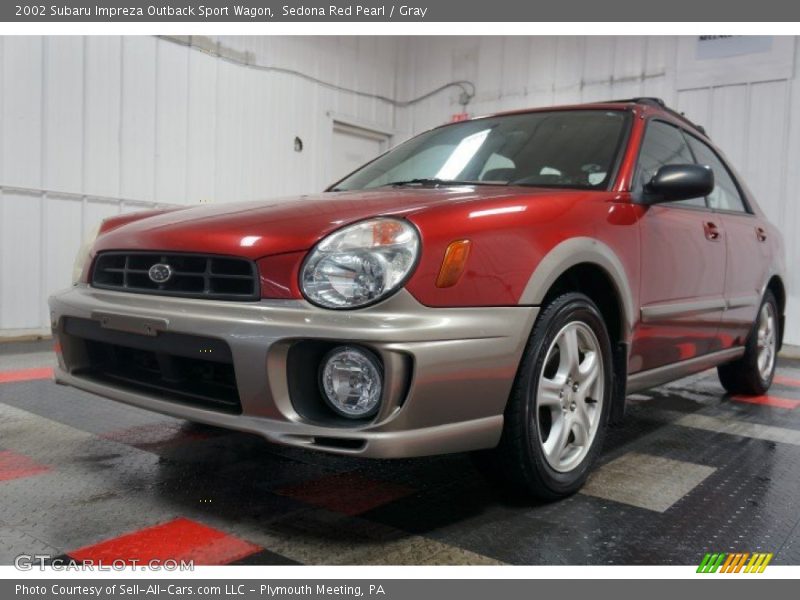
point(756, 122)
point(96, 126)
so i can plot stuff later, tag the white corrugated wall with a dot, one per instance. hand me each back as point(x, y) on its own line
point(96, 126)
point(755, 121)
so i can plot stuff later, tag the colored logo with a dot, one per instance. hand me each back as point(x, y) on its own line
point(735, 562)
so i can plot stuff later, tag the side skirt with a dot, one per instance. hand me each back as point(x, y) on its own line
point(660, 375)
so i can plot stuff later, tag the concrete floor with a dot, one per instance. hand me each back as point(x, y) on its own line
point(690, 471)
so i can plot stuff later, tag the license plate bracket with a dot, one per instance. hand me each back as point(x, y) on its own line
point(131, 323)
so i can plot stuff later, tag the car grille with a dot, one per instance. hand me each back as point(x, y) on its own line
point(181, 368)
point(191, 276)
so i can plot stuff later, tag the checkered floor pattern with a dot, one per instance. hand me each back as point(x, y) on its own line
point(690, 471)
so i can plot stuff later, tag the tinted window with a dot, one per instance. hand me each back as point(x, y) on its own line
point(663, 144)
point(726, 194)
point(570, 148)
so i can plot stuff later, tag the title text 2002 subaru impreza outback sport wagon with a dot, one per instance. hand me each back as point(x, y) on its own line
point(497, 284)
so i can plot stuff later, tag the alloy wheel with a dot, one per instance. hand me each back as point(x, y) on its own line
point(570, 396)
point(766, 342)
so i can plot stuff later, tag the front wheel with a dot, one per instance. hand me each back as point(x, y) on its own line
point(752, 374)
point(556, 417)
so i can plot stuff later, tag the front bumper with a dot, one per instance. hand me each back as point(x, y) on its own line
point(447, 372)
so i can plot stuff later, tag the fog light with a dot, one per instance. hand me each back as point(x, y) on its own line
point(351, 384)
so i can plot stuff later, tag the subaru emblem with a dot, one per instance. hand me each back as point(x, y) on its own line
point(160, 273)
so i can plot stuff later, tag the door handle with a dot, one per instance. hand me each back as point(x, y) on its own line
point(761, 234)
point(712, 231)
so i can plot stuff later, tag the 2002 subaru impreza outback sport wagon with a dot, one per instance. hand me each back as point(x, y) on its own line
point(497, 284)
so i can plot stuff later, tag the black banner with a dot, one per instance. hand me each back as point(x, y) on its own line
point(732, 588)
point(120, 11)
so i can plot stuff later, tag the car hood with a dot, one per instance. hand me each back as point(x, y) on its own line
point(257, 229)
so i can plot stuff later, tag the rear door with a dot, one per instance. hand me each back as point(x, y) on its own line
point(746, 244)
point(683, 262)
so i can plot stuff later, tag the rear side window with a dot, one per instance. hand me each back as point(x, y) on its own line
point(726, 194)
point(663, 145)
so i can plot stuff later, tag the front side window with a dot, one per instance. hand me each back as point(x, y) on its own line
point(726, 194)
point(663, 145)
point(563, 149)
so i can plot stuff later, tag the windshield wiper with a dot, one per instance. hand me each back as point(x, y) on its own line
point(436, 181)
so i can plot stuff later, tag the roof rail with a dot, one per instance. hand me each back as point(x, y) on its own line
point(653, 101)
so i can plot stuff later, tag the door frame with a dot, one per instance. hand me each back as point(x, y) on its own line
point(356, 126)
point(371, 134)
point(350, 126)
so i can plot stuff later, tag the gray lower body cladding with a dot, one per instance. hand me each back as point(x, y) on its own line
point(447, 371)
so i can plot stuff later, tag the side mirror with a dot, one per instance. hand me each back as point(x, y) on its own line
point(679, 182)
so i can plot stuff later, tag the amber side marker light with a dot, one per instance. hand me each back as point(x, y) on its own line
point(454, 263)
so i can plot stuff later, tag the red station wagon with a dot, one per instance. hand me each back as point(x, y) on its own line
point(498, 284)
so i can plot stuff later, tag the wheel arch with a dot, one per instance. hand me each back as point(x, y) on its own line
point(594, 282)
point(586, 265)
point(778, 289)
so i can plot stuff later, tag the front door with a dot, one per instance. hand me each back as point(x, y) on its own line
point(683, 261)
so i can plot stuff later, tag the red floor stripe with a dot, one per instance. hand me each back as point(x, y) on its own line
point(180, 539)
point(17, 466)
point(26, 375)
point(769, 400)
point(781, 380)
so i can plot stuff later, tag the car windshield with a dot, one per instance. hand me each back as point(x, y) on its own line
point(567, 148)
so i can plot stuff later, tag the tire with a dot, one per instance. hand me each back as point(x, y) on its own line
point(748, 375)
point(548, 401)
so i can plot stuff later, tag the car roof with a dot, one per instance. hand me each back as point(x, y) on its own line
point(650, 104)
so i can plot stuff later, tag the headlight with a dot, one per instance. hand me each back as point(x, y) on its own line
point(83, 253)
point(360, 264)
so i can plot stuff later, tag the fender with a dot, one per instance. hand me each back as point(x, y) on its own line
point(575, 251)
point(773, 272)
point(778, 272)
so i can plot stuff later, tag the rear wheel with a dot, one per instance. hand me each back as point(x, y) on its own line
point(752, 374)
point(556, 417)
